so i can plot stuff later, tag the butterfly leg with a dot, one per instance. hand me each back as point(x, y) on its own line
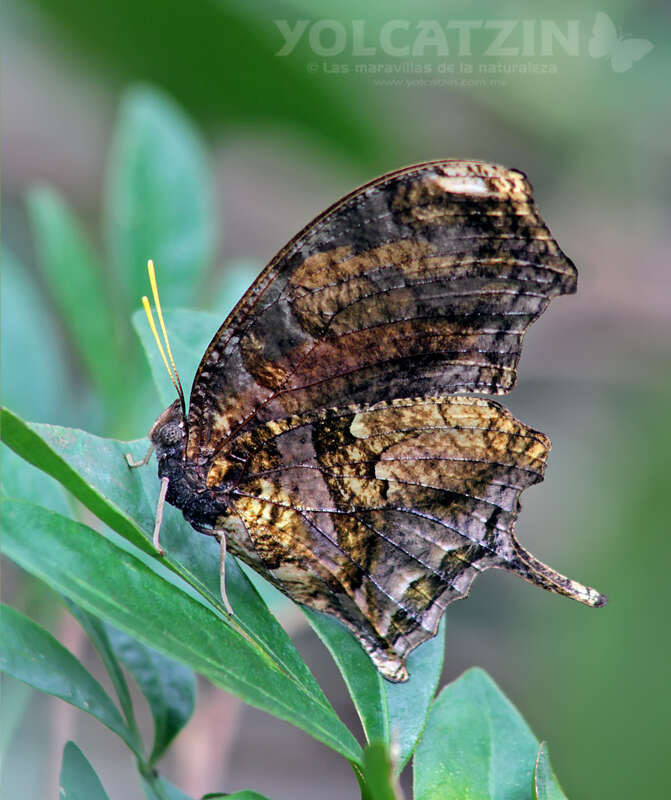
point(132, 464)
point(159, 514)
point(221, 536)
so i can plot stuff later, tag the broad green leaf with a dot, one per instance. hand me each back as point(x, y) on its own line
point(74, 275)
point(170, 687)
point(15, 696)
point(409, 702)
point(23, 481)
point(475, 745)
point(161, 789)
point(97, 633)
point(190, 333)
point(378, 774)
point(78, 779)
point(122, 588)
point(95, 471)
point(36, 386)
point(159, 201)
point(394, 713)
point(545, 785)
point(32, 655)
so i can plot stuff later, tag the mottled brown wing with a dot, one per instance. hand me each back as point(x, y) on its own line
point(421, 282)
point(382, 516)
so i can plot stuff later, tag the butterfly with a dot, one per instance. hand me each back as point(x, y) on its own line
point(332, 440)
point(606, 42)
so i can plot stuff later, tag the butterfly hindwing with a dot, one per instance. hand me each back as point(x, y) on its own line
point(383, 515)
point(422, 282)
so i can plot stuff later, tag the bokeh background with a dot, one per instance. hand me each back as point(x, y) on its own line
point(289, 133)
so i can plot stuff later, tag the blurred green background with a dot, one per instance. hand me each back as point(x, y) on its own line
point(280, 130)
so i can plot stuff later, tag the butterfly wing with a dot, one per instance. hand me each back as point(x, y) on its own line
point(604, 36)
point(382, 516)
point(628, 51)
point(421, 282)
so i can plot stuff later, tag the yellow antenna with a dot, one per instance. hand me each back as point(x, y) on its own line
point(150, 318)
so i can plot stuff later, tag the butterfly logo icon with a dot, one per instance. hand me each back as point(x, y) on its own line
point(605, 42)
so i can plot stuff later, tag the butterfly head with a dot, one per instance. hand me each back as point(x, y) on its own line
point(168, 433)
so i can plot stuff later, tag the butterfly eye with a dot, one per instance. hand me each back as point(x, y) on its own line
point(167, 435)
point(170, 434)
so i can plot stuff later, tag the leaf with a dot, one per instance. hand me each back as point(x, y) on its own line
point(16, 696)
point(95, 471)
point(190, 332)
point(409, 703)
point(37, 386)
point(23, 481)
point(378, 774)
point(75, 277)
point(545, 784)
point(145, 600)
point(475, 744)
point(32, 655)
point(97, 633)
point(158, 199)
point(392, 713)
point(170, 687)
point(78, 779)
point(159, 788)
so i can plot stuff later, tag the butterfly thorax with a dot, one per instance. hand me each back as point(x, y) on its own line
point(187, 487)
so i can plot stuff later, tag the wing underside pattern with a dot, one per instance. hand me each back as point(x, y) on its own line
point(327, 411)
point(384, 515)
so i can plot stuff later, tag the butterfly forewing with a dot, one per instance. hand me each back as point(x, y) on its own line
point(422, 282)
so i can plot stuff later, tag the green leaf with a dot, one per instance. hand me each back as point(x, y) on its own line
point(23, 481)
point(168, 791)
point(378, 774)
point(170, 687)
point(545, 784)
point(190, 333)
point(15, 696)
point(97, 633)
point(409, 702)
point(36, 386)
point(159, 201)
point(394, 713)
point(78, 779)
point(142, 598)
point(75, 278)
point(95, 471)
point(32, 655)
point(475, 744)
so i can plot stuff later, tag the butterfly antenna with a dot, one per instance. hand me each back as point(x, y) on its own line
point(174, 375)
